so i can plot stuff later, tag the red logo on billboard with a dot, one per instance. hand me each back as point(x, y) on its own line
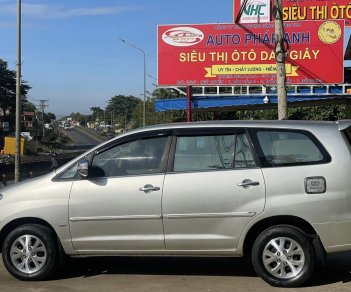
point(182, 36)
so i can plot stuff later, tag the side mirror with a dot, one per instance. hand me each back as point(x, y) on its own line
point(83, 168)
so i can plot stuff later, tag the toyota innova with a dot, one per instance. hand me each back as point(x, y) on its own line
point(276, 191)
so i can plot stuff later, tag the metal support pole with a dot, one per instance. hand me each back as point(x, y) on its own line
point(242, 7)
point(280, 61)
point(144, 103)
point(188, 113)
point(42, 107)
point(42, 119)
point(18, 98)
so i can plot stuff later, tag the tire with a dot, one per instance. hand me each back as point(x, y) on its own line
point(29, 252)
point(283, 256)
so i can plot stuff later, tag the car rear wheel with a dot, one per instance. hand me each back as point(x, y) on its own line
point(283, 256)
point(29, 252)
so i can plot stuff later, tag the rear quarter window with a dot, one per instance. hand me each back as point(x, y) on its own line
point(276, 147)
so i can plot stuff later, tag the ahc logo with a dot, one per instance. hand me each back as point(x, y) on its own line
point(182, 36)
point(254, 8)
point(256, 11)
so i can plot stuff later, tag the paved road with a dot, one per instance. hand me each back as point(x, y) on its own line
point(173, 274)
point(81, 139)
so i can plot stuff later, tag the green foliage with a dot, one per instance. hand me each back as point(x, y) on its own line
point(120, 108)
point(50, 135)
point(48, 117)
point(8, 91)
point(64, 139)
point(82, 119)
point(326, 113)
point(163, 93)
point(128, 112)
point(97, 113)
point(29, 107)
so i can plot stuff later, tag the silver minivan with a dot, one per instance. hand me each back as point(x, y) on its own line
point(276, 191)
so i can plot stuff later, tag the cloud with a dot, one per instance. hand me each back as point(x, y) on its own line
point(7, 8)
point(49, 11)
point(96, 11)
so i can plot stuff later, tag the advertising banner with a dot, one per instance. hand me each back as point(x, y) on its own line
point(317, 10)
point(225, 54)
point(229, 54)
point(295, 10)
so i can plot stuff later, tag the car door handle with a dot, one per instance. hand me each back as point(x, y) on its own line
point(149, 189)
point(248, 183)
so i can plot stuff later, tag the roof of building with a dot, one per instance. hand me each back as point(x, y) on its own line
point(229, 103)
point(29, 113)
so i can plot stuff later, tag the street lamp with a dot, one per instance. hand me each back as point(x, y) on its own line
point(135, 47)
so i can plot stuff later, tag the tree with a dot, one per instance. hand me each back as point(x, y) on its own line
point(165, 93)
point(97, 113)
point(81, 118)
point(48, 117)
point(121, 107)
point(8, 93)
point(29, 107)
point(153, 117)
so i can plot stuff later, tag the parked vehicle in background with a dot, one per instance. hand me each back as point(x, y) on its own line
point(276, 191)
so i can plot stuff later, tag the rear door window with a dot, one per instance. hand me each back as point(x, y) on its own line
point(288, 147)
point(211, 152)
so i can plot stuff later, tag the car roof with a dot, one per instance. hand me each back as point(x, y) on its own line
point(284, 124)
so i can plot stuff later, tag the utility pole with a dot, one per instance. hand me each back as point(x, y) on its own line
point(18, 98)
point(280, 56)
point(111, 120)
point(42, 107)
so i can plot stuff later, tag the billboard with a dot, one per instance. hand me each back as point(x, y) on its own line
point(229, 54)
point(297, 10)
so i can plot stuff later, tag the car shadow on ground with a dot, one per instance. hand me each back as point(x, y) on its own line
point(337, 269)
point(87, 267)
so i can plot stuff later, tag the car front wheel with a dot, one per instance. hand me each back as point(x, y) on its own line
point(29, 252)
point(283, 256)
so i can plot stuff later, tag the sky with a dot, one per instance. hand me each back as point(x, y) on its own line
point(71, 52)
